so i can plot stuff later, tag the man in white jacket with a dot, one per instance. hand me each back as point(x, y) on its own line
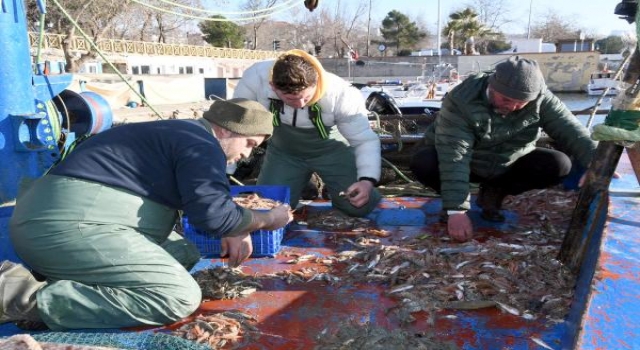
point(320, 125)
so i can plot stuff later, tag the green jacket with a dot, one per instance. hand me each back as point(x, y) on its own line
point(469, 136)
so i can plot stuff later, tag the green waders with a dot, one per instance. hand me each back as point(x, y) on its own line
point(294, 154)
point(110, 257)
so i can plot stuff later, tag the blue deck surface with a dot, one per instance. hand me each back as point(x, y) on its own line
point(611, 318)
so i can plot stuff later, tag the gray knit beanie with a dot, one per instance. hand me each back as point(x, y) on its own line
point(242, 116)
point(518, 78)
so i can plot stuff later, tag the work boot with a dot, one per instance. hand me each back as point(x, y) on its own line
point(443, 217)
point(490, 200)
point(18, 290)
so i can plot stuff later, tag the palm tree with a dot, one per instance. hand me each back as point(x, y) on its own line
point(466, 26)
point(472, 30)
point(450, 31)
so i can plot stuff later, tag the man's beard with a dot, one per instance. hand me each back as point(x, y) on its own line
point(500, 112)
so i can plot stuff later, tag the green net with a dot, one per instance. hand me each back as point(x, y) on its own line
point(620, 125)
point(121, 340)
point(627, 120)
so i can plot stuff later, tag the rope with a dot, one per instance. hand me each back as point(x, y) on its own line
point(93, 46)
point(604, 93)
point(377, 116)
point(236, 181)
point(400, 173)
point(54, 115)
point(209, 18)
point(40, 39)
point(270, 9)
point(66, 111)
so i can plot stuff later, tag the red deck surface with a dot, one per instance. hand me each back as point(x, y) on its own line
point(294, 316)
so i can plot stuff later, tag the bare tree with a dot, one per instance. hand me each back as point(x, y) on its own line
point(257, 18)
point(145, 29)
point(94, 17)
point(100, 19)
point(347, 21)
point(318, 30)
point(553, 27)
point(492, 13)
point(166, 25)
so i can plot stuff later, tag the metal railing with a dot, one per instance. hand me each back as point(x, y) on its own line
point(113, 46)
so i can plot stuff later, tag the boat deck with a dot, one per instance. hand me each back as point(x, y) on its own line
point(306, 313)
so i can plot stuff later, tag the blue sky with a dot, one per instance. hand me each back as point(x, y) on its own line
point(592, 16)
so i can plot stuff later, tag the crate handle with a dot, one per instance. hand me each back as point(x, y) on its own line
point(250, 192)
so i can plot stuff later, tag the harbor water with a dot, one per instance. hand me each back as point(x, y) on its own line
point(581, 102)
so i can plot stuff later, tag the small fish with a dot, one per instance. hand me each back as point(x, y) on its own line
point(247, 291)
point(470, 305)
point(462, 264)
point(510, 245)
point(398, 267)
point(508, 309)
point(317, 276)
point(401, 288)
point(353, 267)
point(541, 343)
point(456, 250)
point(374, 261)
point(349, 194)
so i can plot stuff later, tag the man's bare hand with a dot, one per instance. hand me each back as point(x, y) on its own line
point(280, 217)
point(460, 227)
point(358, 193)
point(238, 248)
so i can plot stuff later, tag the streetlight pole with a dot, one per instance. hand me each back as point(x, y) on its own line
point(529, 26)
point(438, 43)
point(369, 29)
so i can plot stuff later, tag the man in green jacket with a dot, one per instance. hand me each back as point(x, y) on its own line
point(486, 133)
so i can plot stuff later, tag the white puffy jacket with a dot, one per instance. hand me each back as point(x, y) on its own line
point(342, 105)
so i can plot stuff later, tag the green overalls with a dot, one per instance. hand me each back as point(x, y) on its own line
point(110, 256)
point(293, 154)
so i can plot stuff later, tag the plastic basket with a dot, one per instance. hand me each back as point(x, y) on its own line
point(265, 242)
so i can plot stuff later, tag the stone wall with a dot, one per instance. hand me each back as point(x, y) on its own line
point(563, 72)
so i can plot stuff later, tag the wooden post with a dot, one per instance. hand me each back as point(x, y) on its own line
point(593, 198)
point(584, 229)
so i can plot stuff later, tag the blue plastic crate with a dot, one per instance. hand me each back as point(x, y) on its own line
point(265, 242)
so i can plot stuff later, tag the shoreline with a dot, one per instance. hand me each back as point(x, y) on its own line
point(189, 110)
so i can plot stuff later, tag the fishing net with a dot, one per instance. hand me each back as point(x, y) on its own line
point(121, 340)
point(620, 125)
